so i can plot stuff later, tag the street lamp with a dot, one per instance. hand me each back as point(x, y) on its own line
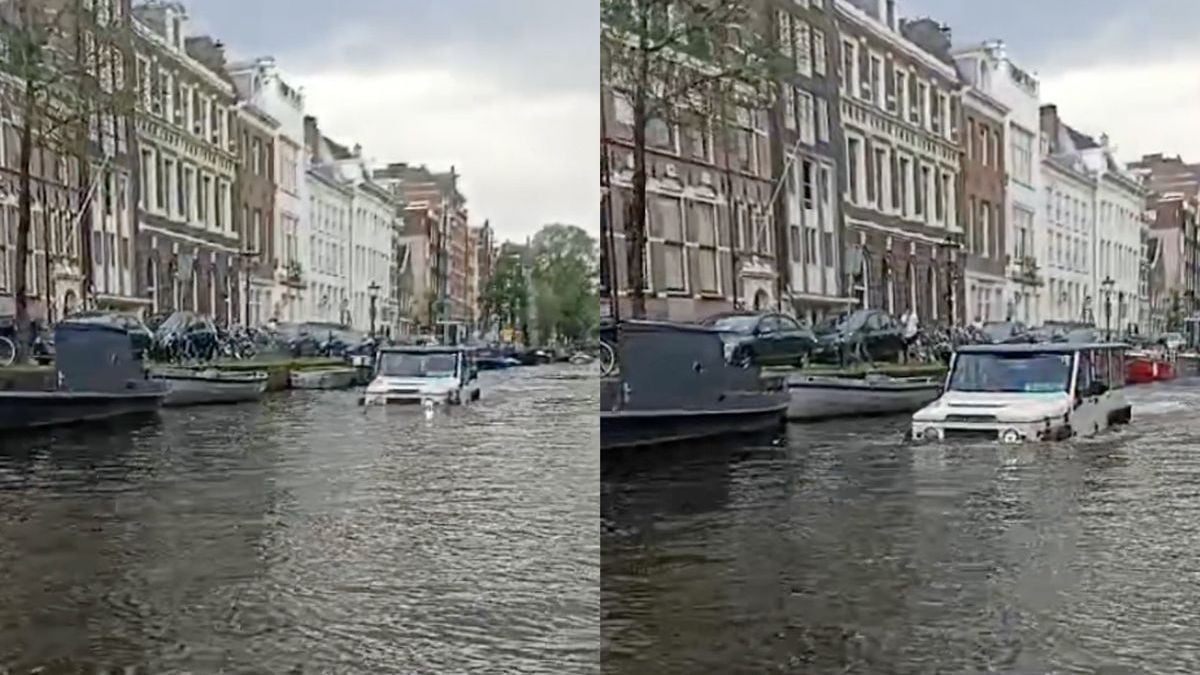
point(373, 292)
point(951, 246)
point(248, 257)
point(1107, 285)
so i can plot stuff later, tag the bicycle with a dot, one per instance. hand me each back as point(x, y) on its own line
point(8, 352)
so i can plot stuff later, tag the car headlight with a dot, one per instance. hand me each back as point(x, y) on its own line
point(1010, 436)
point(730, 349)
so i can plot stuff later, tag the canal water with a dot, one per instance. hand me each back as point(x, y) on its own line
point(840, 549)
point(306, 534)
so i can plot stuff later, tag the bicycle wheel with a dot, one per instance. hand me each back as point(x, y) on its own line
point(8, 352)
point(608, 359)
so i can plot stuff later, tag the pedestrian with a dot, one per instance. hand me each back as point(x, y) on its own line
point(911, 327)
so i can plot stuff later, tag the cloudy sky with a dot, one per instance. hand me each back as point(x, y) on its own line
point(504, 90)
point(1125, 67)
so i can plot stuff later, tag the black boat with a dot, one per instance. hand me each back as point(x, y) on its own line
point(99, 375)
point(673, 382)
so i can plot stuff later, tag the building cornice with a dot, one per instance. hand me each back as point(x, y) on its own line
point(894, 39)
point(162, 48)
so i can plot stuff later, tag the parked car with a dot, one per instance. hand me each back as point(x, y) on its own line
point(881, 337)
point(765, 339)
point(1172, 341)
point(1001, 332)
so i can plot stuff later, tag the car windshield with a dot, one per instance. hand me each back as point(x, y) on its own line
point(1024, 372)
point(734, 324)
point(400, 364)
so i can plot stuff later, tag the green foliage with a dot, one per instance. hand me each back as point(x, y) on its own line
point(506, 297)
point(565, 264)
point(694, 55)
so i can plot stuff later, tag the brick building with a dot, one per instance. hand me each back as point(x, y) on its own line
point(255, 213)
point(985, 240)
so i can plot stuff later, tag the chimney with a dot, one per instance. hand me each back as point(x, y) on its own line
point(357, 150)
point(890, 14)
point(1049, 124)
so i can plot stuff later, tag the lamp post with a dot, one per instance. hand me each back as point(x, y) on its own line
point(248, 256)
point(373, 294)
point(950, 247)
point(1107, 285)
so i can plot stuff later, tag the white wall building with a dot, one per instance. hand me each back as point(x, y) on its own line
point(1120, 224)
point(330, 204)
point(988, 68)
point(1070, 223)
point(263, 83)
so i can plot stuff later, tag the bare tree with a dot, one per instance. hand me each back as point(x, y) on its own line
point(682, 61)
point(65, 68)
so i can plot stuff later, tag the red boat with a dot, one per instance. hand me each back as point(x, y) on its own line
point(1143, 368)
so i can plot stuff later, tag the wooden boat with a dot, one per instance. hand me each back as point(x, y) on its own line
point(99, 375)
point(816, 397)
point(201, 387)
point(673, 383)
point(323, 378)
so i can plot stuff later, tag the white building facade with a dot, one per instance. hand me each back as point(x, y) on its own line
point(1070, 223)
point(330, 205)
point(188, 244)
point(1120, 227)
point(263, 83)
point(988, 68)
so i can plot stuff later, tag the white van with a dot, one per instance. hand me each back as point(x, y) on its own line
point(1028, 392)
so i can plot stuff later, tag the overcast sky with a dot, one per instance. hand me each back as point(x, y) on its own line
point(1130, 68)
point(505, 90)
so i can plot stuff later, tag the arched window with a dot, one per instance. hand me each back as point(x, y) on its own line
point(889, 287)
point(152, 283)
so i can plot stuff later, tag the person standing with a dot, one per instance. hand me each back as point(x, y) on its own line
point(911, 327)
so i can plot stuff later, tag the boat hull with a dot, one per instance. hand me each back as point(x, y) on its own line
point(206, 389)
point(821, 398)
point(336, 378)
point(39, 409)
point(633, 429)
point(1143, 370)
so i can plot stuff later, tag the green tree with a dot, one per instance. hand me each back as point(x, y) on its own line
point(67, 62)
point(506, 296)
point(682, 60)
point(565, 265)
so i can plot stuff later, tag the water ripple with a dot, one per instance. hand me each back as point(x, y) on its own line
point(308, 534)
point(845, 551)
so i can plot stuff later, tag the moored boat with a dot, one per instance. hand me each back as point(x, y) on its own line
point(672, 383)
point(1145, 367)
point(817, 397)
point(99, 375)
point(322, 378)
point(190, 386)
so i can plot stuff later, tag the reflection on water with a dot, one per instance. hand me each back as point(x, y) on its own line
point(309, 533)
point(844, 550)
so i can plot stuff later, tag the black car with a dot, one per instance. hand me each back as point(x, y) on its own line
point(764, 339)
point(865, 334)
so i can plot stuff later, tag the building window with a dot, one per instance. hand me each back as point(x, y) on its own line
point(853, 148)
point(822, 120)
point(803, 48)
point(789, 108)
point(818, 50)
point(807, 115)
point(1022, 155)
point(876, 77)
point(746, 141)
point(849, 66)
point(783, 21)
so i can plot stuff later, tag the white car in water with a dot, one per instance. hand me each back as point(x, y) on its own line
point(423, 375)
point(1028, 392)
